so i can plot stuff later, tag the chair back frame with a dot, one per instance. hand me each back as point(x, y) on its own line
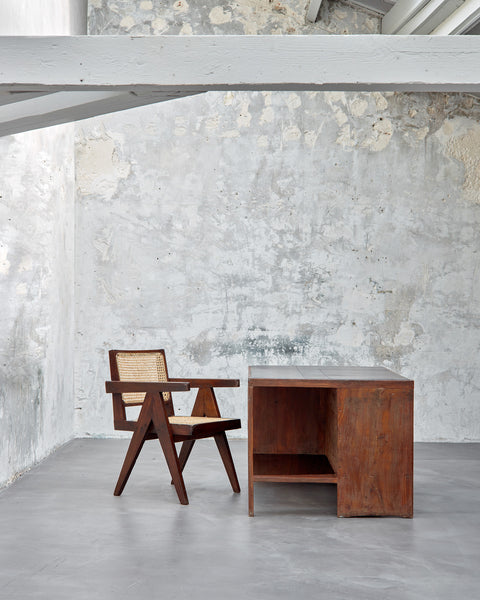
point(119, 404)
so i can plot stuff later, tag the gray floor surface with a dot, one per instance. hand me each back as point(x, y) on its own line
point(64, 535)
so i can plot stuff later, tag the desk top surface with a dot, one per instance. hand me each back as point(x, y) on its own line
point(322, 376)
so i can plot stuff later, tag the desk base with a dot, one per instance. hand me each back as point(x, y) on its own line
point(355, 434)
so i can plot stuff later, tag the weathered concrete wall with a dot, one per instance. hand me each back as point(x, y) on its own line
point(36, 268)
point(247, 228)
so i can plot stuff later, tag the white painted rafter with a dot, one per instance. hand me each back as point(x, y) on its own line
point(380, 7)
point(157, 68)
point(429, 17)
point(460, 21)
point(46, 109)
point(435, 17)
point(313, 10)
point(400, 13)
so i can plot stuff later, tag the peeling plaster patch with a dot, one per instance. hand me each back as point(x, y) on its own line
point(262, 141)
point(250, 28)
point(212, 123)
point(349, 335)
point(146, 5)
point(228, 98)
point(311, 137)
point(4, 262)
point(96, 3)
point(273, 18)
point(340, 117)
point(244, 118)
point(421, 133)
point(293, 102)
point(371, 25)
point(217, 16)
point(358, 106)
point(461, 140)
point(380, 101)
point(127, 22)
point(267, 115)
point(405, 336)
point(180, 126)
point(292, 133)
point(21, 289)
point(159, 26)
point(99, 169)
point(111, 296)
point(267, 96)
point(186, 30)
point(26, 264)
point(181, 6)
point(346, 137)
point(335, 97)
point(382, 131)
point(232, 133)
point(104, 245)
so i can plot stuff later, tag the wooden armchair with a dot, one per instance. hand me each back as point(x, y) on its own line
point(140, 377)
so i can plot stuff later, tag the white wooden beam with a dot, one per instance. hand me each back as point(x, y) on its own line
point(45, 110)
point(400, 13)
point(313, 10)
point(380, 7)
point(186, 64)
point(463, 19)
point(15, 97)
point(429, 17)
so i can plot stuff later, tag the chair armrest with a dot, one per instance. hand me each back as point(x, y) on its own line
point(195, 382)
point(124, 387)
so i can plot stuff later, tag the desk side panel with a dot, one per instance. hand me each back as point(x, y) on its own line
point(375, 452)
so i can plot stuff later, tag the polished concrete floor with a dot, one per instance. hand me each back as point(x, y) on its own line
point(64, 535)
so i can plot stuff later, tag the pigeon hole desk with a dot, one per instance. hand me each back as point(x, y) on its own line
point(349, 426)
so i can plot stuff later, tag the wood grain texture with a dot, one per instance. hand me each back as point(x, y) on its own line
point(289, 421)
point(298, 468)
point(375, 452)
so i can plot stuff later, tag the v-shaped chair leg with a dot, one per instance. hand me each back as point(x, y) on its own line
point(224, 449)
point(197, 411)
point(136, 445)
point(165, 437)
point(185, 453)
point(208, 404)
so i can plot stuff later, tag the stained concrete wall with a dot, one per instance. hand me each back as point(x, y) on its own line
point(284, 228)
point(36, 267)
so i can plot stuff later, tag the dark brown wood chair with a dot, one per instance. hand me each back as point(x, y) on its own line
point(140, 377)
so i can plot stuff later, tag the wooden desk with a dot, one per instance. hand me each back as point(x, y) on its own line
point(350, 426)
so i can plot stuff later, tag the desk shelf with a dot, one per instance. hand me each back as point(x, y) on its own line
point(298, 468)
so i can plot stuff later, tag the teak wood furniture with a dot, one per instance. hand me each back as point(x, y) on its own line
point(140, 377)
point(350, 426)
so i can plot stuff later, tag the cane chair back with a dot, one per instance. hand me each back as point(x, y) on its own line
point(142, 366)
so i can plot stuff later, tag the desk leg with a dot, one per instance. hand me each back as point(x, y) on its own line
point(250, 452)
point(375, 452)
